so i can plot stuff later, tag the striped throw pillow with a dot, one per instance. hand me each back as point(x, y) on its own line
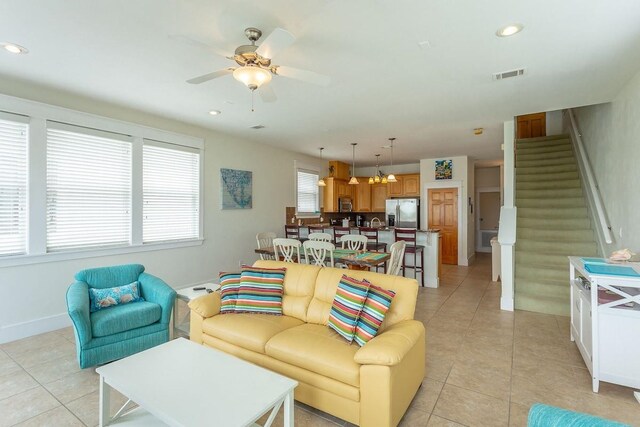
point(347, 304)
point(261, 290)
point(229, 287)
point(373, 312)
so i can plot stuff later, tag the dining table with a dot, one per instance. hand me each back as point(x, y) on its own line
point(354, 260)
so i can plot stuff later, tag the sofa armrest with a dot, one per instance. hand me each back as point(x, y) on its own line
point(390, 347)
point(78, 308)
point(156, 290)
point(206, 305)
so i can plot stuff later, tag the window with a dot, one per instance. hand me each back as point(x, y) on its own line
point(307, 192)
point(13, 185)
point(171, 192)
point(88, 188)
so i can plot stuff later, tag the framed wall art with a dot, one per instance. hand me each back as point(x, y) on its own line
point(444, 169)
point(236, 189)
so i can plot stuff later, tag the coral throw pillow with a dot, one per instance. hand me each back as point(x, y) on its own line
point(347, 305)
point(109, 297)
point(261, 290)
point(229, 288)
point(375, 308)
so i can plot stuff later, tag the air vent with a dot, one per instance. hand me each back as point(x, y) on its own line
point(508, 74)
point(256, 127)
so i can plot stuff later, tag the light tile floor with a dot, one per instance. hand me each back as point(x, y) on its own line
point(484, 367)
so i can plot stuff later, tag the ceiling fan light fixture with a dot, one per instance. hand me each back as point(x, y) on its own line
point(252, 76)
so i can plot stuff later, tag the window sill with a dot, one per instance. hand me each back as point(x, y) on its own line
point(310, 215)
point(11, 261)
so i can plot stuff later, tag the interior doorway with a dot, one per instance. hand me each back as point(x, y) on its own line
point(531, 125)
point(443, 215)
point(487, 217)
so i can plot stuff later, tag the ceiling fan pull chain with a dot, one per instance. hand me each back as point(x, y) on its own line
point(252, 92)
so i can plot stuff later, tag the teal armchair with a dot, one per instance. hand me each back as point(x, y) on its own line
point(116, 332)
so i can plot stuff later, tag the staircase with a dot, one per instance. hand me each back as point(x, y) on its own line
point(553, 223)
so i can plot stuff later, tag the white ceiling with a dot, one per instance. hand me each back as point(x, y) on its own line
point(576, 52)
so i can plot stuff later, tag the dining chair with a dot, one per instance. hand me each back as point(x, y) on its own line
point(397, 256)
point(338, 232)
point(354, 242)
point(409, 236)
point(316, 252)
point(287, 249)
point(265, 240)
point(322, 237)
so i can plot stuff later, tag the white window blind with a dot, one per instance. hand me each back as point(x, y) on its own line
point(171, 192)
point(88, 188)
point(307, 192)
point(13, 187)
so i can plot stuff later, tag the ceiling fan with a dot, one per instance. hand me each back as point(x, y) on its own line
point(256, 67)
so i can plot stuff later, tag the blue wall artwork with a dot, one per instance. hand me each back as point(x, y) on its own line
point(444, 169)
point(236, 189)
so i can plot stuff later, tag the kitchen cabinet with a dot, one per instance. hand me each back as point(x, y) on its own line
point(395, 188)
point(411, 185)
point(340, 170)
point(362, 201)
point(335, 189)
point(379, 197)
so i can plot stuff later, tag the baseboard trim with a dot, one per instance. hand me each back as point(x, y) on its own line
point(33, 327)
point(506, 304)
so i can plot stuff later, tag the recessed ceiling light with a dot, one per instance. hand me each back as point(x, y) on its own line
point(215, 112)
point(14, 48)
point(509, 30)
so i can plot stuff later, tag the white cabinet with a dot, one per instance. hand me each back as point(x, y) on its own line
point(606, 331)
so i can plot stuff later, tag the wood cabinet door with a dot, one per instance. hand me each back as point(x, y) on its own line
point(443, 215)
point(411, 185)
point(532, 125)
point(395, 188)
point(363, 195)
point(329, 197)
point(379, 197)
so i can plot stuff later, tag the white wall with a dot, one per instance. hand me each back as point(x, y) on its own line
point(554, 123)
point(461, 167)
point(34, 295)
point(487, 177)
point(611, 134)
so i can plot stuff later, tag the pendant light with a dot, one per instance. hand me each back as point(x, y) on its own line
point(353, 180)
point(376, 178)
point(391, 177)
point(321, 182)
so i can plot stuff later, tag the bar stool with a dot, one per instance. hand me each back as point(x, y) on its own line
point(409, 235)
point(316, 228)
point(373, 243)
point(338, 232)
point(292, 232)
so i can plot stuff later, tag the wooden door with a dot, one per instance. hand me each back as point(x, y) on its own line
point(379, 197)
point(363, 195)
point(532, 125)
point(395, 188)
point(411, 185)
point(443, 215)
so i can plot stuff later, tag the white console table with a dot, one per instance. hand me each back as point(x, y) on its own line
point(606, 333)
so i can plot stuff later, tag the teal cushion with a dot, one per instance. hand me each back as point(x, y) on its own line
point(541, 415)
point(124, 317)
point(108, 297)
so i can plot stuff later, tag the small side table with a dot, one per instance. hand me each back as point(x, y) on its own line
point(181, 311)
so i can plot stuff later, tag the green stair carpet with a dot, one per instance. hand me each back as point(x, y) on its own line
point(553, 223)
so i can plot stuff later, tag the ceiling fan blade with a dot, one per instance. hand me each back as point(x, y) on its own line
point(200, 45)
point(210, 76)
point(267, 94)
point(303, 75)
point(275, 43)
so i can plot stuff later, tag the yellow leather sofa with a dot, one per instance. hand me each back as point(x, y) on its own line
point(369, 386)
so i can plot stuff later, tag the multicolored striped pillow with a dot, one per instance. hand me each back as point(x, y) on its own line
point(229, 288)
point(373, 312)
point(261, 290)
point(347, 305)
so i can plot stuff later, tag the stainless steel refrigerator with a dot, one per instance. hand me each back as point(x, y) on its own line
point(404, 213)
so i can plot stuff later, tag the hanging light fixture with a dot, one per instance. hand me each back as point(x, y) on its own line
point(321, 182)
point(353, 180)
point(376, 178)
point(391, 177)
point(252, 76)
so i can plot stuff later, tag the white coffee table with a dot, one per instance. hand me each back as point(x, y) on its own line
point(181, 383)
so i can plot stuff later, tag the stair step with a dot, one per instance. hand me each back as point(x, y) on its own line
point(555, 274)
point(550, 202)
point(543, 260)
point(543, 288)
point(565, 213)
point(565, 146)
point(544, 156)
point(557, 176)
point(541, 144)
point(557, 247)
point(569, 160)
point(549, 138)
point(554, 223)
point(539, 304)
point(568, 234)
point(549, 193)
point(542, 185)
point(528, 170)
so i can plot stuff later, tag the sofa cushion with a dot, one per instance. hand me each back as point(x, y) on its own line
point(260, 290)
point(299, 283)
point(248, 330)
point(347, 305)
point(318, 349)
point(229, 288)
point(125, 317)
point(372, 314)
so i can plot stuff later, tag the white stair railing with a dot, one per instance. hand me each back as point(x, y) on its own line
point(589, 184)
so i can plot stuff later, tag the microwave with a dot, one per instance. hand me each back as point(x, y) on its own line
point(345, 204)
